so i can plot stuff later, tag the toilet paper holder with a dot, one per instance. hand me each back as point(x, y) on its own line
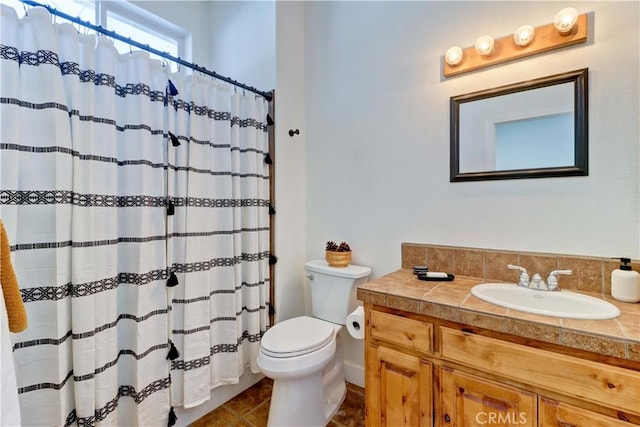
point(355, 323)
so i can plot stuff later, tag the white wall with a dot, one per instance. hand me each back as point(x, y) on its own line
point(242, 41)
point(378, 132)
point(290, 161)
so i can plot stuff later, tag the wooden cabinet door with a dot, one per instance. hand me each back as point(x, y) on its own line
point(468, 400)
point(558, 414)
point(590, 381)
point(398, 389)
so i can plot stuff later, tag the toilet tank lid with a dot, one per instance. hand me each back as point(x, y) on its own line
point(351, 271)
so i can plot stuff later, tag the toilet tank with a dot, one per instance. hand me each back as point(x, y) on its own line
point(333, 290)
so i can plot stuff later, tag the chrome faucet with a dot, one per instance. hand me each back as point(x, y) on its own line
point(536, 281)
point(524, 276)
point(552, 280)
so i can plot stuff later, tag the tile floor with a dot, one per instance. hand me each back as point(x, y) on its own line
point(251, 409)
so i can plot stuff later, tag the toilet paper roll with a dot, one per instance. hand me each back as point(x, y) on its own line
point(355, 323)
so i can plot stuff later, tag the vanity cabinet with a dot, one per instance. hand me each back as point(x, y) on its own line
point(401, 388)
point(422, 371)
point(398, 380)
point(469, 400)
point(554, 414)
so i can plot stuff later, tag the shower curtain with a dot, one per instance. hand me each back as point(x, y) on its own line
point(138, 218)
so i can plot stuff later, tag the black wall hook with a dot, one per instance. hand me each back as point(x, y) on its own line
point(294, 132)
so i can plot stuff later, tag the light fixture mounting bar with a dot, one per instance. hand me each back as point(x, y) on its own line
point(546, 38)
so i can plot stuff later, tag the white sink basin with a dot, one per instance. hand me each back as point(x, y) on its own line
point(558, 304)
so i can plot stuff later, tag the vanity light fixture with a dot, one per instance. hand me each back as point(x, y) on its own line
point(484, 45)
point(453, 55)
point(524, 35)
point(565, 20)
point(568, 28)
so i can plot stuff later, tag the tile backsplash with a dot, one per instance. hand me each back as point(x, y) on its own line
point(590, 274)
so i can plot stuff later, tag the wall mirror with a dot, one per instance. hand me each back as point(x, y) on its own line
point(532, 129)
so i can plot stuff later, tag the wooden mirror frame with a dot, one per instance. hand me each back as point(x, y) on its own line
point(581, 144)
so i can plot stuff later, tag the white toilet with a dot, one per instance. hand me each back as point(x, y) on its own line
point(303, 355)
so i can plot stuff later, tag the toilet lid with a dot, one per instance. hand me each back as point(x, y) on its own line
point(297, 336)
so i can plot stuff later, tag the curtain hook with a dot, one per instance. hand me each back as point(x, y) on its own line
point(24, 6)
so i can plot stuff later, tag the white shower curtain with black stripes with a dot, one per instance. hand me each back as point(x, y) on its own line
point(88, 171)
point(219, 235)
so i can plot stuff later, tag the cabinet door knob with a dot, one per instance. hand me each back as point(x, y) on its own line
point(447, 418)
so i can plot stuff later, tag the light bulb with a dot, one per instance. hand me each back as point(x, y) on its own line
point(453, 55)
point(524, 35)
point(484, 45)
point(565, 19)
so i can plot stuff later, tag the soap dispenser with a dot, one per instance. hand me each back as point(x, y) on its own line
point(625, 283)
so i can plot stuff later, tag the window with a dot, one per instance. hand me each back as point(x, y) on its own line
point(127, 20)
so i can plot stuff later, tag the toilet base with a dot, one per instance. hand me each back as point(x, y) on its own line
point(333, 382)
point(290, 408)
point(334, 400)
point(312, 400)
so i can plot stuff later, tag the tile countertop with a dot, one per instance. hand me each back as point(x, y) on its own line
point(453, 301)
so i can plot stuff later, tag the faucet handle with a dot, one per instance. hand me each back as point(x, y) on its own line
point(517, 267)
point(552, 280)
point(524, 276)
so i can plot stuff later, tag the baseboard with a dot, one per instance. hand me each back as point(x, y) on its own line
point(353, 373)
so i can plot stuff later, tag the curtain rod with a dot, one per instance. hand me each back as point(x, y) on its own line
point(113, 34)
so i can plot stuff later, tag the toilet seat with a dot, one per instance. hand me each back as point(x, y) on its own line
point(296, 337)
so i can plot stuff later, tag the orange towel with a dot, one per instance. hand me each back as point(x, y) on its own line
point(13, 300)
